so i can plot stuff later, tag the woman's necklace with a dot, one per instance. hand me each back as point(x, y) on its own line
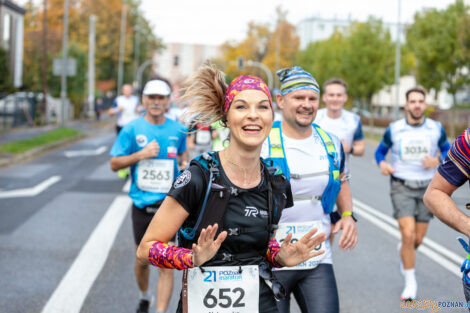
point(247, 179)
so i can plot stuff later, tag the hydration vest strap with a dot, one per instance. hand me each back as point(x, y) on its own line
point(275, 143)
point(189, 233)
point(237, 231)
point(330, 148)
point(225, 256)
point(307, 197)
point(299, 176)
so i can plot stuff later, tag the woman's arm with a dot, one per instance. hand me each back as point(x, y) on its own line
point(164, 225)
point(167, 221)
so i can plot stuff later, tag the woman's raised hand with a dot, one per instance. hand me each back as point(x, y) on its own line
point(206, 246)
point(291, 254)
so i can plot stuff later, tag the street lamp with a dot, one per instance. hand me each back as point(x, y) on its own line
point(63, 80)
point(396, 108)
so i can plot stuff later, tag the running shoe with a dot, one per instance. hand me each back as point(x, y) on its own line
point(409, 293)
point(143, 306)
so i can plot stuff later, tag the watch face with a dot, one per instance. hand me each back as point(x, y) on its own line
point(354, 216)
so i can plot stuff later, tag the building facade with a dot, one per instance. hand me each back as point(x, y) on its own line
point(11, 38)
point(179, 61)
point(314, 29)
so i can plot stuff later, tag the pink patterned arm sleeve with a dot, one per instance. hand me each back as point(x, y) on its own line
point(273, 250)
point(165, 256)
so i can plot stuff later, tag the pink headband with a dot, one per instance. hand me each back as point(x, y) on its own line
point(245, 82)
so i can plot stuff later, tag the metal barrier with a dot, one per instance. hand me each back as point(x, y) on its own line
point(17, 109)
point(21, 109)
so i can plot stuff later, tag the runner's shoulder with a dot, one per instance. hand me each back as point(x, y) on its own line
point(132, 125)
point(351, 116)
point(178, 126)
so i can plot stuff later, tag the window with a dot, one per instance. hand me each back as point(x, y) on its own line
point(7, 31)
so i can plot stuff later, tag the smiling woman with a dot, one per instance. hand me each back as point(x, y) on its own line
point(225, 206)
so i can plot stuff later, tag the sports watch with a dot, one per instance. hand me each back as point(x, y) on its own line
point(349, 213)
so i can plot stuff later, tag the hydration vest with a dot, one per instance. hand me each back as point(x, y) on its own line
point(215, 202)
point(277, 155)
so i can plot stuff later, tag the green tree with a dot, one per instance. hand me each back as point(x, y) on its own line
point(324, 59)
point(5, 79)
point(363, 55)
point(108, 13)
point(440, 40)
point(368, 60)
point(76, 85)
point(283, 45)
point(275, 46)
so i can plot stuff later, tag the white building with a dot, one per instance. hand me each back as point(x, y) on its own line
point(11, 38)
point(178, 61)
point(314, 29)
point(385, 99)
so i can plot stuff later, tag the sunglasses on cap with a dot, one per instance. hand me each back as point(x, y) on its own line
point(277, 288)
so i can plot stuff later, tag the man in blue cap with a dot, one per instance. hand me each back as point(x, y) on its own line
point(313, 160)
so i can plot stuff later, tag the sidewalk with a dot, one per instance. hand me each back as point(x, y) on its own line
point(88, 128)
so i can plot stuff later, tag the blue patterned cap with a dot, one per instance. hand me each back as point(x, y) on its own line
point(295, 78)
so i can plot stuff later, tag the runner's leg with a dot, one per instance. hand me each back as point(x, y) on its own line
point(317, 291)
point(408, 237)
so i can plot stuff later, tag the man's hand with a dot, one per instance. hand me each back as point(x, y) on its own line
point(348, 238)
point(115, 110)
point(430, 162)
point(346, 146)
point(386, 169)
point(151, 150)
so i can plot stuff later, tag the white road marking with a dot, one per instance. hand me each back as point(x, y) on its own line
point(432, 244)
point(32, 191)
point(77, 282)
point(127, 186)
point(430, 248)
point(78, 153)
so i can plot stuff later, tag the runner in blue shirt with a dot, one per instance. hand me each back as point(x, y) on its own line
point(152, 146)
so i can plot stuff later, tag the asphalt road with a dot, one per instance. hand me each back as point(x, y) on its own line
point(66, 244)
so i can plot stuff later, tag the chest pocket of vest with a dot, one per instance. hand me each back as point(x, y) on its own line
point(216, 206)
point(217, 202)
point(282, 196)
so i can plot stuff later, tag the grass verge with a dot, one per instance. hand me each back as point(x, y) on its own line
point(21, 146)
point(373, 136)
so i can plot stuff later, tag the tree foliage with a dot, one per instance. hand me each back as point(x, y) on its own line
point(5, 79)
point(363, 55)
point(276, 48)
point(108, 21)
point(324, 59)
point(440, 40)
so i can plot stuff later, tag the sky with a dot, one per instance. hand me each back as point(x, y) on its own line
point(213, 22)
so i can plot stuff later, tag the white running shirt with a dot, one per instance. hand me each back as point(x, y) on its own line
point(306, 156)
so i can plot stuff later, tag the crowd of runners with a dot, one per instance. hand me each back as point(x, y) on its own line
point(249, 205)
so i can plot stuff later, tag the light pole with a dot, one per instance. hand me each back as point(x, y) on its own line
point(91, 67)
point(396, 108)
point(136, 49)
point(121, 48)
point(63, 80)
point(259, 65)
point(140, 72)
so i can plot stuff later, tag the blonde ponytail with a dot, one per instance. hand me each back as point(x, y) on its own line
point(205, 92)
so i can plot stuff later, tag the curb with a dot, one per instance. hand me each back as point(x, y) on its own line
point(35, 152)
